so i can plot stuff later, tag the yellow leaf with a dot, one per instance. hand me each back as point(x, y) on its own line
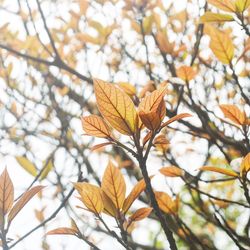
point(186, 73)
point(27, 165)
point(147, 24)
point(127, 88)
point(221, 44)
point(175, 118)
point(98, 26)
point(228, 172)
point(94, 125)
point(226, 5)
point(233, 113)
point(22, 201)
point(140, 214)
point(165, 202)
point(242, 5)
point(6, 194)
point(116, 107)
point(245, 164)
point(215, 17)
point(113, 185)
point(90, 196)
point(46, 169)
point(152, 109)
point(63, 230)
point(134, 194)
point(88, 39)
point(172, 171)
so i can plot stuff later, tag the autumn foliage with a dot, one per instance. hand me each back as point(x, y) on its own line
point(125, 124)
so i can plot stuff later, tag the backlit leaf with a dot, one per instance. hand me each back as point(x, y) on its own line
point(63, 230)
point(94, 125)
point(128, 88)
point(215, 17)
point(113, 185)
point(101, 145)
point(221, 44)
point(242, 5)
point(22, 201)
point(233, 113)
point(226, 5)
point(147, 24)
point(245, 164)
point(186, 73)
point(116, 107)
point(150, 119)
point(172, 171)
point(166, 203)
point(140, 214)
point(152, 109)
point(109, 206)
point(90, 196)
point(164, 45)
point(27, 165)
point(224, 171)
point(175, 118)
point(6, 193)
point(46, 170)
point(134, 194)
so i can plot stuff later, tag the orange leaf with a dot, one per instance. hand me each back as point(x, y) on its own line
point(172, 171)
point(150, 119)
point(6, 193)
point(226, 5)
point(233, 113)
point(164, 45)
point(113, 185)
point(116, 107)
point(161, 140)
point(63, 230)
point(220, 170)
point(24, 199)
point(140, 214)
point(166, 203)
point(134, 194)
point(161, 143)
point(90, 196)
point(152, 109)
point(101, 145)
point(94, 125)
point(186, 73)
point(245, 164)
point(109, 206)
point(175, 118)
point(147, 137)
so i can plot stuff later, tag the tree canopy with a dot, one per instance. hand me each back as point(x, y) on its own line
point(125, 118)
